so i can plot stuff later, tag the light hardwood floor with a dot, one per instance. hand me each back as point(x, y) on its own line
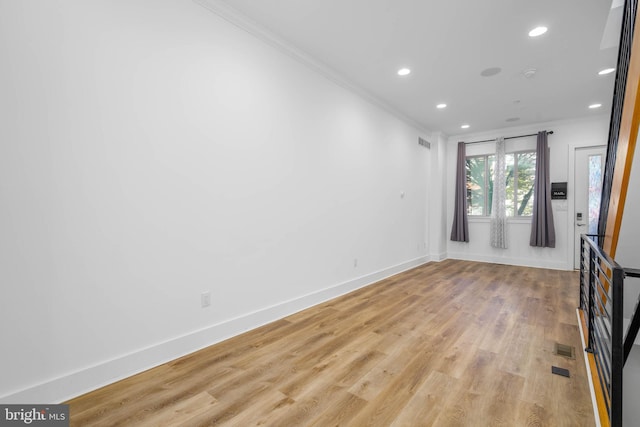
point(454, 343)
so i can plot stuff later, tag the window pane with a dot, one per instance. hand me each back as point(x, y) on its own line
point(510, 186)
point(491, 160)
point(595, 190)
point(520, 176)
point(475, 185)
point(526, 174)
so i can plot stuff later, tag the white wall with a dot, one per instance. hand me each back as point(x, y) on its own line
point(627, 255)
point(568, 135)
point(627, 249)
point(151, 151)
point(438, 232)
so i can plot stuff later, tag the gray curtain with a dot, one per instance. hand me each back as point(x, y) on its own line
point(543, 232)
point(460, 228)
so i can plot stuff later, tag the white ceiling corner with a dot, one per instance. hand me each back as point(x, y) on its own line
point(360, 44)
point(242, 21)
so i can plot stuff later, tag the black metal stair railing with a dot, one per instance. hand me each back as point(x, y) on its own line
point(622, 69)
point(601, 300)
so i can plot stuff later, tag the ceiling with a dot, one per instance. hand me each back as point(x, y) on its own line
point(447, 44)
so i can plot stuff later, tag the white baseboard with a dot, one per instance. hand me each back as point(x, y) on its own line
point(522, 262)
point(439, 256)
point(90, 378)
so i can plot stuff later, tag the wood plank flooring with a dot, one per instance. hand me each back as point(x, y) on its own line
point(454, 343)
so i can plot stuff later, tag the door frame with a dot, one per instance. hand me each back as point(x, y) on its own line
point(571, 207)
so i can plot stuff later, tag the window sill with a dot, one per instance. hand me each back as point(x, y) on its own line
point(510, 220)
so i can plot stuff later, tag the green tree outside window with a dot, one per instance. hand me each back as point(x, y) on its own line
point(521, 169)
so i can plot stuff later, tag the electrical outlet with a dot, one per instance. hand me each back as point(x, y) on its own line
point(205, 299)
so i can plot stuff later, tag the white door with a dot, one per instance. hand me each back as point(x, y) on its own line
point(589, 170)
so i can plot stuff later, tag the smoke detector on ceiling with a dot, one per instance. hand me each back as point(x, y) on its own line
point(490, 71)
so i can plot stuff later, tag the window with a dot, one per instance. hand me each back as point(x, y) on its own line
point(595, 191)
point(521, 172)
point(479, 185)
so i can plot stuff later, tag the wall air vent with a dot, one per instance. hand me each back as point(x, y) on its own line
point(424, 143)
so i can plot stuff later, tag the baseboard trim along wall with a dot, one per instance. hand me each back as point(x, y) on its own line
point(441, 256)
point(92, 377)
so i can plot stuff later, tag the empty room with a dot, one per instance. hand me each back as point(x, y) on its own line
point(296, 213)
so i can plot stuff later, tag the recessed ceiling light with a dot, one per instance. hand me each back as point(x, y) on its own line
point(441, 106)
point(404, 72)
point(465, 126)
point(606, 71)
point(537, 31)
point(592, 106)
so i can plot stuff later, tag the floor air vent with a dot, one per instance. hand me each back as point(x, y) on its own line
point(560, 371)
point(564, 350)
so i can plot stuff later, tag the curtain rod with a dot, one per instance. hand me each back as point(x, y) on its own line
point(509, 137)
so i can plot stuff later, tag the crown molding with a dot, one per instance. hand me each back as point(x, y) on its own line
point(525, 128)
point(243, 22)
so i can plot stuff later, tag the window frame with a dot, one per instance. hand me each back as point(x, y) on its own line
point(486, 207)
point(485, 191)
point(516, 171)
